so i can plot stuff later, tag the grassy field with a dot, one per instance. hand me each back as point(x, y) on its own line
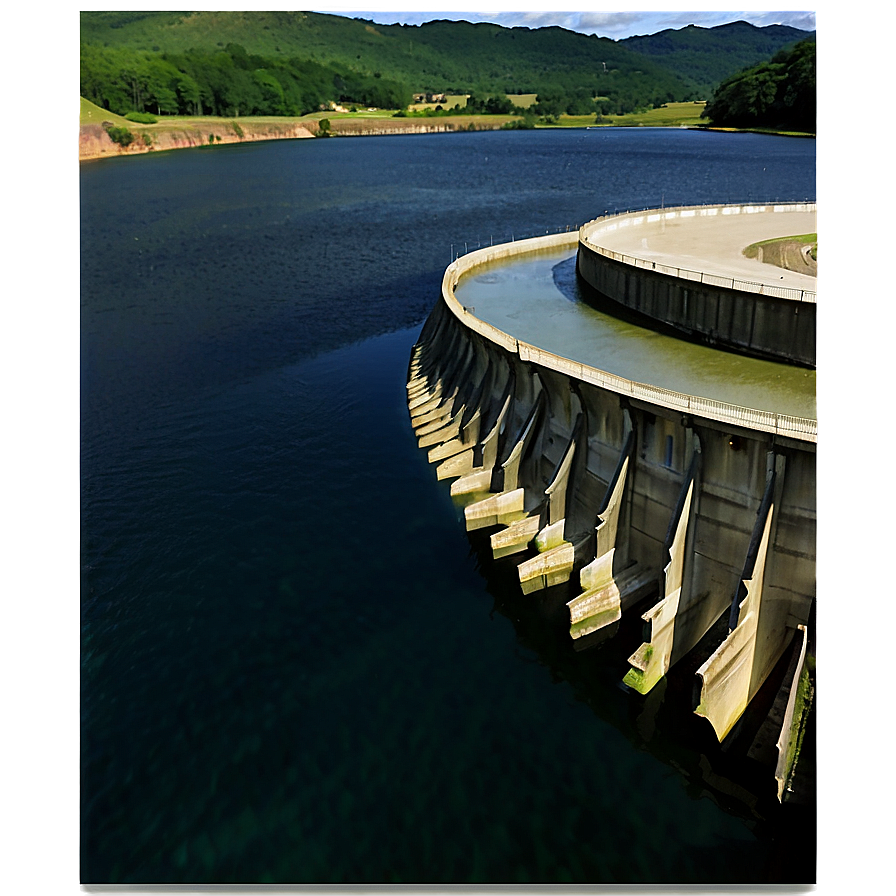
point(673, 114)
point(804, 239)
point(92, 114)
point(523, 100)
point(270, 119)
point(670, 115)
point(799, 238)
point(451, 100)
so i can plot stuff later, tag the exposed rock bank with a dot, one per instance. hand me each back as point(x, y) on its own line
point(364, 127)
point(95, 143)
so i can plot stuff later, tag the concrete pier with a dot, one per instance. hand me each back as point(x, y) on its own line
point(698, 514)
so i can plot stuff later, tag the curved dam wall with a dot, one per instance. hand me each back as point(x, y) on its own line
point(625, 494)
point(743, 313)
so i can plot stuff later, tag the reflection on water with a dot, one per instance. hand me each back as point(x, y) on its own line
point(537, 299)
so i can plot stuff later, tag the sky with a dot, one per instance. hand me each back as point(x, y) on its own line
point(586, 19)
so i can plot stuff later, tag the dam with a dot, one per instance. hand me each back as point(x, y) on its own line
point(669, 474)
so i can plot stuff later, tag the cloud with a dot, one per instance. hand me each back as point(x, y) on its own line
point(804, 20)
point(609, 23)
point(707, 19)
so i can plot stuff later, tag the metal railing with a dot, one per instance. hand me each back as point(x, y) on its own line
point(611, 223)
point(749, 418)
point(465, 247)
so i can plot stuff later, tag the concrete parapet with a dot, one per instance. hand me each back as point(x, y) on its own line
point(624, 492)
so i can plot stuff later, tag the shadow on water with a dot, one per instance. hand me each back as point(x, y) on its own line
point(663, 722)
point(567, 281)
point(573, 287)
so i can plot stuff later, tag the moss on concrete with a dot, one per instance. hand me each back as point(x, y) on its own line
point(591, 624)
point(802, 705)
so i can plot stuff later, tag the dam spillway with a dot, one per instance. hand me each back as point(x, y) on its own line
point(632, 488)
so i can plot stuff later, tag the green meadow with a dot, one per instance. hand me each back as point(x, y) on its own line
point(667, 116)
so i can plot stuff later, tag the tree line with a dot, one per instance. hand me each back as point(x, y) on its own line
point(228, 82)
point(778, 94)
point(295, 65)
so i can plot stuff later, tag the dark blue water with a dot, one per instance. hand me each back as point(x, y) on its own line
point(295, 665)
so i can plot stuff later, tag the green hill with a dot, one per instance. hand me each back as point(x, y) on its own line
point(710, 55)
point(291, 63)
point(443, 57)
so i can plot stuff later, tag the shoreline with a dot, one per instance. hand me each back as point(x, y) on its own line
point(95, 143)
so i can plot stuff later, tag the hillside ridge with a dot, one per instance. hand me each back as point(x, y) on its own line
point(673, 65)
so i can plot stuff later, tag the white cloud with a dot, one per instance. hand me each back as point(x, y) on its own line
point(609, 24)
point(706, 19)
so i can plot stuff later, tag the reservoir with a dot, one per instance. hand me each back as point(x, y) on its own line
point(295, 665)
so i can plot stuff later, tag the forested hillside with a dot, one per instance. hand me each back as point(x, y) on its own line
point(180, 61)
point(710, 55)
point(274, 63)
point(226, 81)
point(779, 94)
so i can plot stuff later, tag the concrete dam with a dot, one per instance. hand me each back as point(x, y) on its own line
point(634, 482)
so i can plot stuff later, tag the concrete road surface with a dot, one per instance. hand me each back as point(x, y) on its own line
point(714, 244)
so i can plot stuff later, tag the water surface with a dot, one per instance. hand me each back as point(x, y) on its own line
point(295, 666)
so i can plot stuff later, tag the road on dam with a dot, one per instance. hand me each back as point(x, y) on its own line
point(536, 299)
point(713, 244)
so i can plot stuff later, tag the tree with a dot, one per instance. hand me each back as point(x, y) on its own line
point(188, 95)
point(779, 93)
point(550, 104)
point(160, 86)
point(272, 99)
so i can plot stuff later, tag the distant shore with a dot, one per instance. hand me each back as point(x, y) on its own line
point(184, 133)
